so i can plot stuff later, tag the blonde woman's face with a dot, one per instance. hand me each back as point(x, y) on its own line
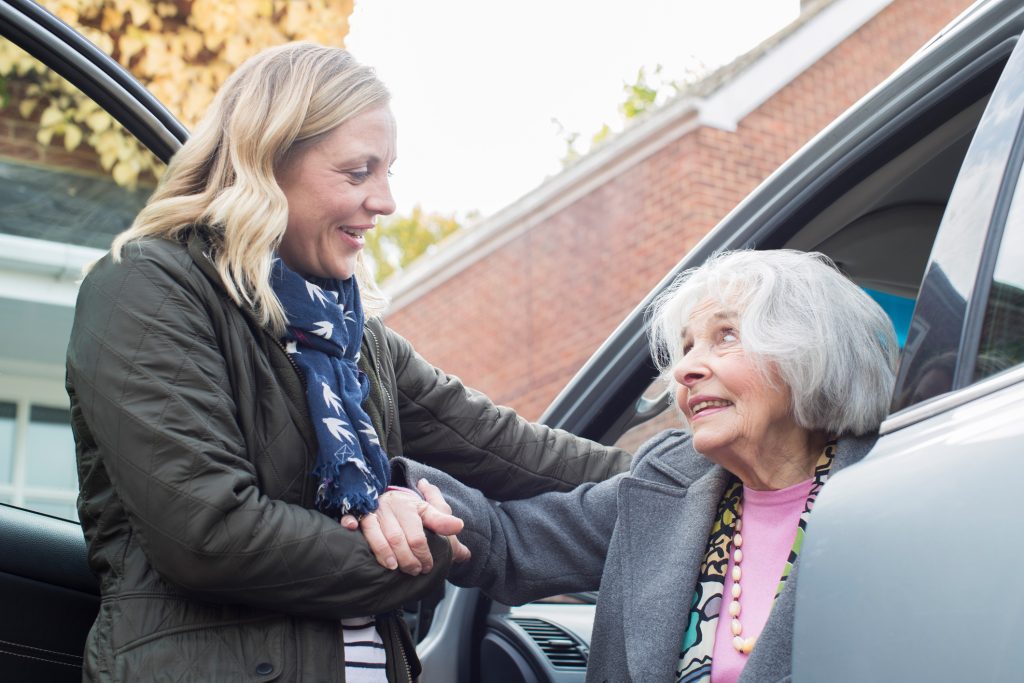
point(335, 190)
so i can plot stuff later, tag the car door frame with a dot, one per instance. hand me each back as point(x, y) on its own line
point(605, 398)
point(68, 53)
point(894, 538)
point(50, 595)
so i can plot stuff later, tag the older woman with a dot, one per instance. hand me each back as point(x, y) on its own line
point(228, 408)
point(782, 370)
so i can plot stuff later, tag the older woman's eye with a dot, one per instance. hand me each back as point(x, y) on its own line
point(730, 335)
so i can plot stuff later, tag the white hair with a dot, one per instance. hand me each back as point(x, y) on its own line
point(801, 320)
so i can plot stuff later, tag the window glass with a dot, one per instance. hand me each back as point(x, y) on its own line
point(71, 178)
point(1002, 336)
point(668, 418)
point(51, 449)
point(70, 173)
point(62, 509)
point(8, 412)
point(900, 309)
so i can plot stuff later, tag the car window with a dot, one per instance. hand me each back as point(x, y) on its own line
point(900, 309)
point(7, 414)
point(71, 178)
point(1002, 336)
point(658, 403)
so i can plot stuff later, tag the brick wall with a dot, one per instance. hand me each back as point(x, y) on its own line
point(520, 322)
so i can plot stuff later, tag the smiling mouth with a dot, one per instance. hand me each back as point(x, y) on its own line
point(355, 234)
point(704, 405)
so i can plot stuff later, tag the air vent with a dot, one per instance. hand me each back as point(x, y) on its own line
point(562, 649)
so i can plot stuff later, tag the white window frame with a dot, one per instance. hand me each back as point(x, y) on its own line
point(24, 392)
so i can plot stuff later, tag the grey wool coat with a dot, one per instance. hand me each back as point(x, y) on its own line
point(640, 538)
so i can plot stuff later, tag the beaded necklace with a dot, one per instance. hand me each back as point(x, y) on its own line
point(744, 645)
point(698, 641)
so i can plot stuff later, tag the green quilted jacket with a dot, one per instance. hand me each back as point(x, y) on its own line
point(194, 446)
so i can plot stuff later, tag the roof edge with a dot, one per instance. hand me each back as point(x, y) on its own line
point(43, 257)
point(721, 100)
point(41, 271)
point(789, 53)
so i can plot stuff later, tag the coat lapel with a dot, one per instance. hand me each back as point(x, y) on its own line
point(665, 526)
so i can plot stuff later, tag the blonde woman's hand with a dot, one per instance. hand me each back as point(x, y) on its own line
point(395, 531)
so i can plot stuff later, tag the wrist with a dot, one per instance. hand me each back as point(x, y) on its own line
point(403, 489)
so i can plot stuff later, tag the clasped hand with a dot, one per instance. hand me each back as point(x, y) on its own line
point(395, 534)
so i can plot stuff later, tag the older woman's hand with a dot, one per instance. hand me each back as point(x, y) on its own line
point(460, 553)
point(395, 531)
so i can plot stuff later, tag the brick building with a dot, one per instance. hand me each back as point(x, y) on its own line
point(525, 297)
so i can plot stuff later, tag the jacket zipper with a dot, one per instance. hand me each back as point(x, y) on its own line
point(295, 366)
point(302, 380)
point(395, 662)
point(378, 351)
point(394, 627)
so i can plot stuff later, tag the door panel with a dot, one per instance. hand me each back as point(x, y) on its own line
point(908, 572)
point(56, 188)
point(49, 597)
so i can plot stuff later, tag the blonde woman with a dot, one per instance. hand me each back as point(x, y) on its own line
point(229, 407)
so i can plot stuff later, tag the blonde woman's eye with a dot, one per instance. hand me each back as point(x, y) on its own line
point(359, 175)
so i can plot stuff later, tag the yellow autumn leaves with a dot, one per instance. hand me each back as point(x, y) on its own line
point(182, 50)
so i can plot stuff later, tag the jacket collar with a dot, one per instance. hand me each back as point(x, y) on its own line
point(291, 382)
point(663, 557)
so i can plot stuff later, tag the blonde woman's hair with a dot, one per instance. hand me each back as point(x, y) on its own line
point(278, 102)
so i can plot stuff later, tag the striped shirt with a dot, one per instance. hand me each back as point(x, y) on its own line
point(364, 651)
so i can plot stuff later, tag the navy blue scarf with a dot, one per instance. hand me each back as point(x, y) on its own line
point(325, 330)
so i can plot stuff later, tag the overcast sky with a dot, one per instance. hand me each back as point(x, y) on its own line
point(478, 84)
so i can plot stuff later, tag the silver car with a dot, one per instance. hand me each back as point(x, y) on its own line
point(909, 571)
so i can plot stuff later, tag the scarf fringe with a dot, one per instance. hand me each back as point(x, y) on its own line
point(336, 495)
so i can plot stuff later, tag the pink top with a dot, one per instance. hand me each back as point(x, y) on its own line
point(770, 519)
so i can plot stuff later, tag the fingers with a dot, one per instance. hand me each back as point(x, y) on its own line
point(438, 515)
point(433, 495)
point(439, 522)
point(379, 546)
point(409, 541)
point(398, 526)
point(446, 524)
point(395, 532)
point(460, 553)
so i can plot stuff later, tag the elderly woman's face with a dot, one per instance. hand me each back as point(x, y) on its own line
point(732, 411)
point(335, 190)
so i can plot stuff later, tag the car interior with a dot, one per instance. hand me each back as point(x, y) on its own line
point(880, 231)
